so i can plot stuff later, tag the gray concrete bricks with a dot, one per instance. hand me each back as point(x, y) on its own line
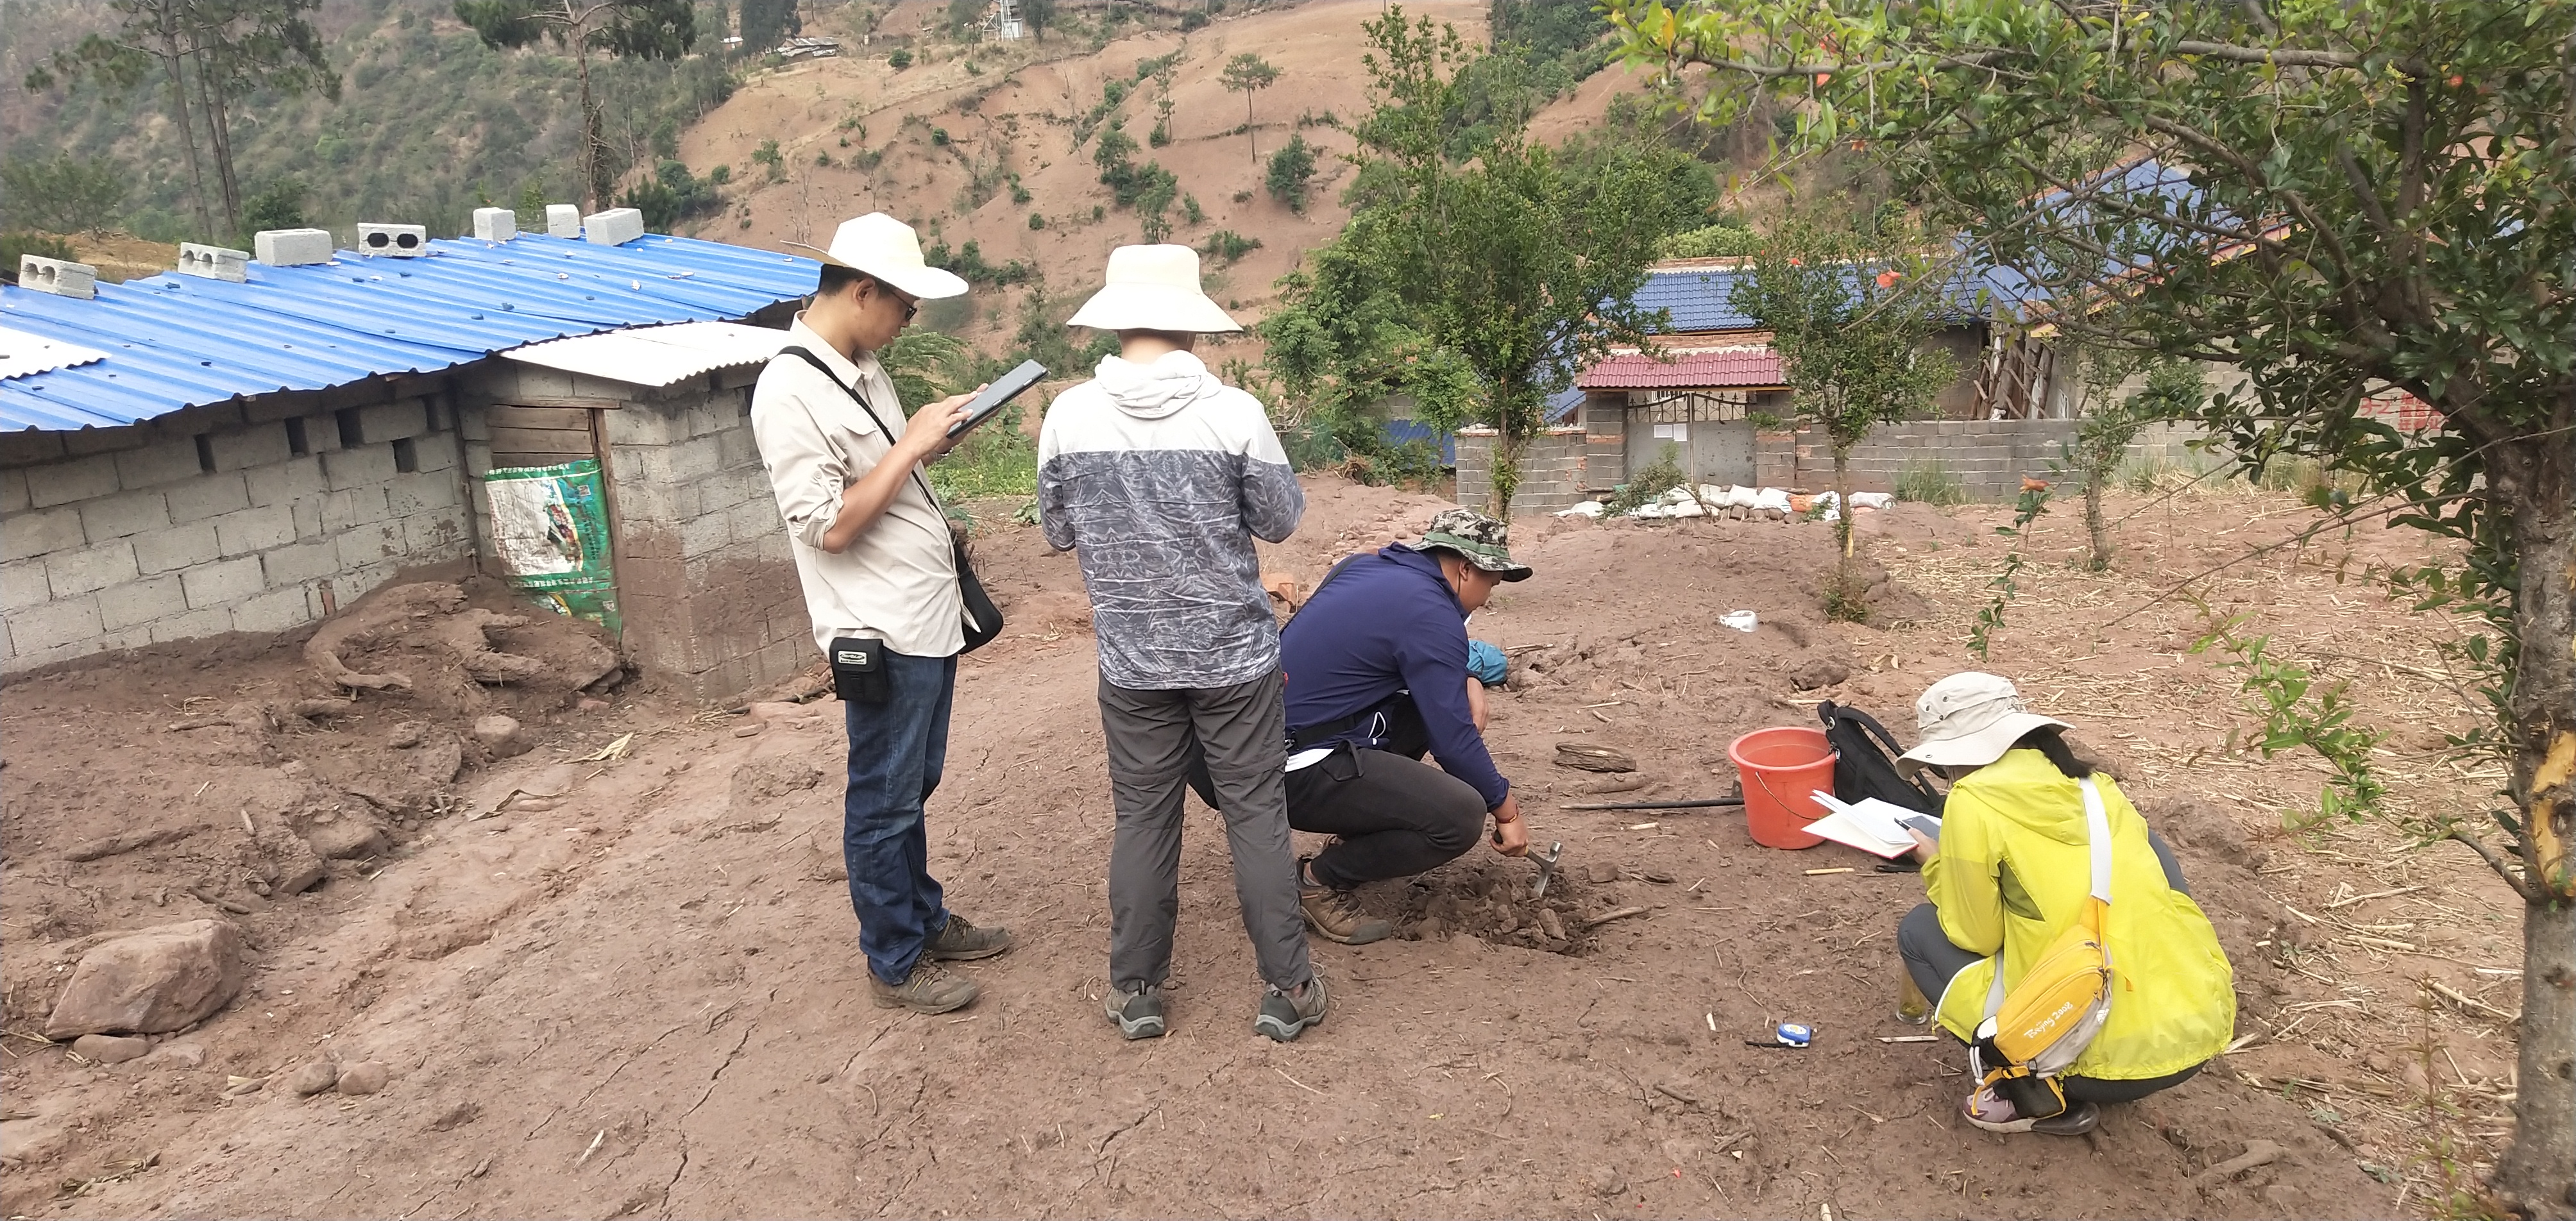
point(79, 479)
point(395, 421)
point(158, 463)
point(117, 537)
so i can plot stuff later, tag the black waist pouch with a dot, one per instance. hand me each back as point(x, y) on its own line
point(858, 671)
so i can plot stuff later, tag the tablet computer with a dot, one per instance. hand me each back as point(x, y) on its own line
point(995, 396)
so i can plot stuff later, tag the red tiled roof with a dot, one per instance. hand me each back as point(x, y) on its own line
point(1688, 371)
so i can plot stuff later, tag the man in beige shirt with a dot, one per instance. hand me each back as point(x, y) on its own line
point(880, 576)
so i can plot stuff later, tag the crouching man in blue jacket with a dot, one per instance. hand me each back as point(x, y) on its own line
point(1377, 664)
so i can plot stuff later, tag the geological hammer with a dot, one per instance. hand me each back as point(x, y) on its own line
point(1546, 868)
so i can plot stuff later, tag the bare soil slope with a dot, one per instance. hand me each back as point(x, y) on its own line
point(643, 996)
point(938, 128)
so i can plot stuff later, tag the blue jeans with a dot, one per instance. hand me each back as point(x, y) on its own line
point(897, 749)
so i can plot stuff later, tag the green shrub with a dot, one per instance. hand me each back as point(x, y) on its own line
point(1714, 241)
point(1225, 246)
point(1649, 484)
point(1036, 221)
point(41, 245)
point(900, 60)
point(1291, 169)
point(1931, 483)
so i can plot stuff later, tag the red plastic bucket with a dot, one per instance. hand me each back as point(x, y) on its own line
point(1780, 767)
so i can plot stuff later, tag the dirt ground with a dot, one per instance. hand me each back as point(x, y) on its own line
point(642, 994)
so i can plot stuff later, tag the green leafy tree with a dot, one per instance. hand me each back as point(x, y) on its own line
point(1479, 288)
point(766, 23)
point(1848, 313)
point(206, 53)
point(16, 242)
point(1248, 74)
point(63, 193)
point(1291, 169)
point(1721, 240)
point(626, 29)
point(2356, 195)
point(1039, 14)
point(281, 206)
point(2173, 390)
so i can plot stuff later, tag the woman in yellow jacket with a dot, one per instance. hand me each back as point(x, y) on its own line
point(2013, 868)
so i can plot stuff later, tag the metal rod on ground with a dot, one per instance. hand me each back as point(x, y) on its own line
point(1701, 804)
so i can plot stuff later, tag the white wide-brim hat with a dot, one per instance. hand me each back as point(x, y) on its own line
point(1969, 720)
point(1153, 288)
point(879, 245)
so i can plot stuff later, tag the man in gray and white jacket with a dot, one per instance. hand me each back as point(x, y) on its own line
point(1160, 476)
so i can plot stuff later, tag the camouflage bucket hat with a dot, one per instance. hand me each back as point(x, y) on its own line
point(1481, 539)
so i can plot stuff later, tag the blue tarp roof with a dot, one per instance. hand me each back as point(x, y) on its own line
point(176, 341)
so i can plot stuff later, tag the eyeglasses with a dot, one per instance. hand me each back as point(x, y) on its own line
point(911, 310)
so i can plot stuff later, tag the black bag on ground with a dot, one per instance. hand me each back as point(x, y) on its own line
point(1862, 769)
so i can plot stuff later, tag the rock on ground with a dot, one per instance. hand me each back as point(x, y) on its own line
point(364, 1078)
point(499, 735)
point(315, 1077)
point(345, 838)
point(155, 980)
point(110, 1049)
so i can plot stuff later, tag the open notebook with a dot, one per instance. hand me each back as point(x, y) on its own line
point(1871, 825)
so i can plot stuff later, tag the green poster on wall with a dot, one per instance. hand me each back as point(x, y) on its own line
point(550, 530)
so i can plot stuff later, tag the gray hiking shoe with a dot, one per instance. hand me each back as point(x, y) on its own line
point(1284, 1016)
point(1334, 914)
point(930, 989)
point(959, 941)
point(1138, 1014)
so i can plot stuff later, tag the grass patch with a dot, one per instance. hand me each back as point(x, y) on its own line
point(997, 459)
point(1931, 483)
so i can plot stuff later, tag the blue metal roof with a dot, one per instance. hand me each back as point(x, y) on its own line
point(182, 341)
point(1703, 298)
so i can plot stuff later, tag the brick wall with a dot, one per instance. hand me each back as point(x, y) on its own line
point(249, 517)
point(1989, 458)
point(706, 586)
point(1551, 469)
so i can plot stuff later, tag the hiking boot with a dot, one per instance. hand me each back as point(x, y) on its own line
point(1995, 1113)
point(1334, 914)
point(1138, 1014)
point(1285, 1015)
point(959, 941)
point(929, 989)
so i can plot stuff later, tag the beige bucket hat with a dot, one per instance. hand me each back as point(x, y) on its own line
point(1153, 288)
point(1969, 720)
point(881, 246)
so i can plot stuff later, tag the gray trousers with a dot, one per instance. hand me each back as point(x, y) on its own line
point(1244, 731)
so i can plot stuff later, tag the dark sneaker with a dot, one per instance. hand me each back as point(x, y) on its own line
point(1335, 915)
point(930, 989)
point(1139, 1014)
point(958, 941)
point(1284, 1016)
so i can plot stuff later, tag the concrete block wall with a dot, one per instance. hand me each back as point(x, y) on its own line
point(1605, 441)
point(706, 587)
point(1989, 458)
point(254, 516)
point(1552, 469)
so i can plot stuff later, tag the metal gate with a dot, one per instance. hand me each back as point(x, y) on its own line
point(1714, 436)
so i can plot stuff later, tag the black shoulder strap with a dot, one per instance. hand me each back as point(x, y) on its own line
point(806, 354)
point(1865, 721)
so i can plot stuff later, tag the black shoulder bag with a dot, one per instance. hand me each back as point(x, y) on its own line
point(1862, 769)
point(983, 619)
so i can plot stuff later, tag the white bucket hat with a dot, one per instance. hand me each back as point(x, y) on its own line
point(1969, 720)
point(1153, 288)
point(881, 246)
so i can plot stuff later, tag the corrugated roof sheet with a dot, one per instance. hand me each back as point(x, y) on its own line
point(1687, 370)
point(176, 341)
point(22, 354)
point(657, 355)
point(1700, 295)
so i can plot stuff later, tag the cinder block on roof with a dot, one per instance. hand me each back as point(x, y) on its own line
point(614, 227)
point(64, 278)
point(496, 224)
point(292, 247)
point(563, 220)
point(212, 262)
point(396, 241)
